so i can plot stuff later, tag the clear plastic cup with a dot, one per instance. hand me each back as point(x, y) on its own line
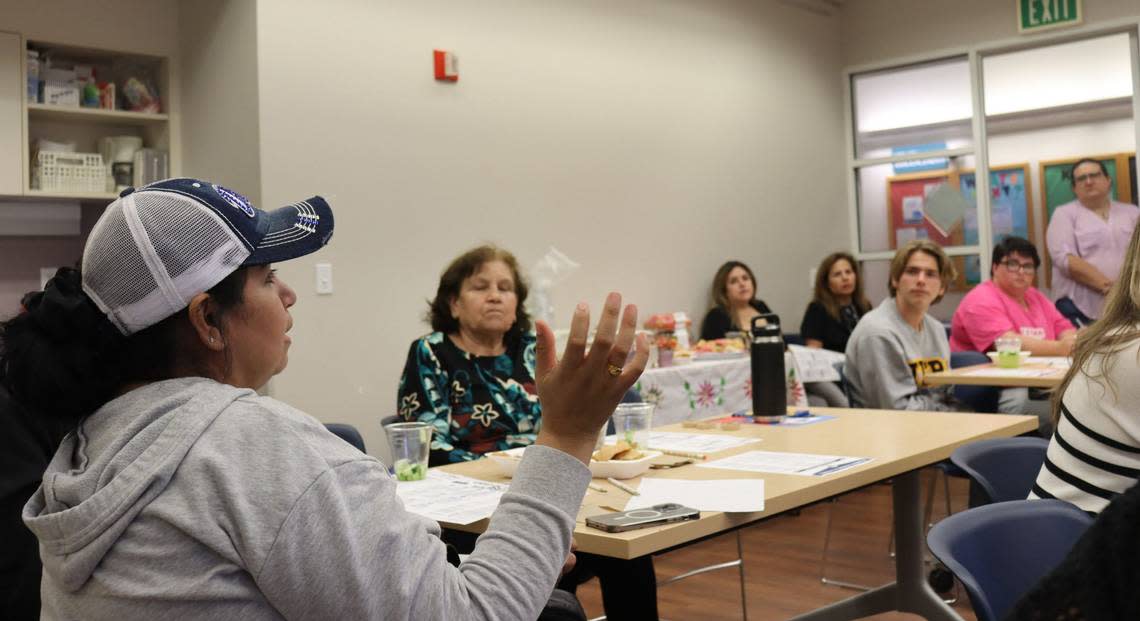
point(632, 422)
point(1008, 352)
point(410, 444)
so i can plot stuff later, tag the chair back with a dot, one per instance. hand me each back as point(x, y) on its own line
point(999, 551)
point(1004, 468)
point(979, 398)
point(348, 433)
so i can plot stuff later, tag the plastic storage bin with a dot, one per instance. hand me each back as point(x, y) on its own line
point(70, 172)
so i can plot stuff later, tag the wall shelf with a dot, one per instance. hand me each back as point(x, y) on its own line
point(83, 196)
point(49, 112)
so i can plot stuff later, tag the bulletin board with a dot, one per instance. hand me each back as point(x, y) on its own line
point(907, 219)
point(1057, 189)
point(1011, 209)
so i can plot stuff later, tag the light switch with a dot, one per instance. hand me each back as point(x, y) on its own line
point(324, 279)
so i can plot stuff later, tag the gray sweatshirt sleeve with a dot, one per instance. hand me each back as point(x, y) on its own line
point(888, 379)
point(349, 550)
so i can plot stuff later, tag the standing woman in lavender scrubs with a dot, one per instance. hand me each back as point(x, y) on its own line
point(1087, 239)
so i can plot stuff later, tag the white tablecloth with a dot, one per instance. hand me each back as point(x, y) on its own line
point(702, 389)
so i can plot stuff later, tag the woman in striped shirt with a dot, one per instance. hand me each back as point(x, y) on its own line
point(1094, 454)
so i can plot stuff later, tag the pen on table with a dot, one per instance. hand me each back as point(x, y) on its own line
point(598, 488)
point(623, 487)
point(684, 454)
point(842, 466)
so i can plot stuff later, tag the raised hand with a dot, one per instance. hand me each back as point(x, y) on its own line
point(579, 392)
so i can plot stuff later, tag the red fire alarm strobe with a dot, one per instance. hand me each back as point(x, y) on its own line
point(446, 66)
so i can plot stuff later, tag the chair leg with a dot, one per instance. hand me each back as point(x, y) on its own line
point(946, 490)
point(928, 513)
point(738, 563)
point(743, 590)
point(826, 548)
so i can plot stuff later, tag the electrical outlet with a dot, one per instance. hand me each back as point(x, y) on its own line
point(324, 279)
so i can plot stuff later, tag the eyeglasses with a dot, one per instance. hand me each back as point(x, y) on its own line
point(1025, 268)
point(1093, 176)
point(915, 272)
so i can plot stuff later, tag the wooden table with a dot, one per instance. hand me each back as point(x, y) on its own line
point(899, 443)
point(991, 375)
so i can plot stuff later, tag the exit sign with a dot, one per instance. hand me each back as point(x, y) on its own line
point(1038, 15)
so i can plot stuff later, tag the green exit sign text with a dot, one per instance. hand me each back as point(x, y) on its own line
point(1037, 15)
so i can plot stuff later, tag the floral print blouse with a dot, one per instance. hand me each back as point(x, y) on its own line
point(476, 404)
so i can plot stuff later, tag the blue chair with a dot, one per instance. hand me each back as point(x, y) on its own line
point(348, 433)
point(1003, 469)
point(1001, 550)
point(979, 398)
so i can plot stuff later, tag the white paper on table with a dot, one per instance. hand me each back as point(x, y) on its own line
point(727, 495)
point(773, 462)
point(1061, 362)
point(695, 442)
point(995, 372)
point(691, 442)
point(815, 364)
point(446, 497)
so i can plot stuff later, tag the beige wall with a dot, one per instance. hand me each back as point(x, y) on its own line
point(648, 140)
point(878, 30)
point(218, 46)
point(140, 26)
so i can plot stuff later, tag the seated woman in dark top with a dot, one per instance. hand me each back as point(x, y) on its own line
point(473, 381)
point(837, 304)
point(734, 299)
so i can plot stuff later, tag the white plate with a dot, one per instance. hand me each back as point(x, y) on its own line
point(719, 355)
point(994, 355)
point(508, 462)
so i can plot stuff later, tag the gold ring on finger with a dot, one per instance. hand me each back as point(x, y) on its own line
point(613, 369)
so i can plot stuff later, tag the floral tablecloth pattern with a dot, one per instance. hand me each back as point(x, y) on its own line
point(702, 389)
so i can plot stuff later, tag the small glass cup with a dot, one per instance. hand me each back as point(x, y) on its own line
point(410, 444)
point(632, 422)
point(1008, 352)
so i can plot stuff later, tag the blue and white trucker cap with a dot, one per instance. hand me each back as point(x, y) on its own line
point(156, 247)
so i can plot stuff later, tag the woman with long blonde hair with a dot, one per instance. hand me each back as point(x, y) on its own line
point(1095, 452)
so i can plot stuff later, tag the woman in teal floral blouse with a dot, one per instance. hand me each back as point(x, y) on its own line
point(472, 378)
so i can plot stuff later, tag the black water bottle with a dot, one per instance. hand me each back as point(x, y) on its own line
point(769, 379)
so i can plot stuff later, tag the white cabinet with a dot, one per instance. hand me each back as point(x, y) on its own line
point(85, 127)
point(11, 113)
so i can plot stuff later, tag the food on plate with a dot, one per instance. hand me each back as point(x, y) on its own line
point(719, 346)
point(622, 451)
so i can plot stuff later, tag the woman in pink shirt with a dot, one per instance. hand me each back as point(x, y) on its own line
point(1009, 305)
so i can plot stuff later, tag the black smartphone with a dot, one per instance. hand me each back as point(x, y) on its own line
point(642, 518)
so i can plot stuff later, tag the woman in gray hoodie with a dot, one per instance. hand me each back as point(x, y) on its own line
point(182, 493)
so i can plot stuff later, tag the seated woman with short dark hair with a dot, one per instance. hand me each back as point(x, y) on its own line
point(472, 378)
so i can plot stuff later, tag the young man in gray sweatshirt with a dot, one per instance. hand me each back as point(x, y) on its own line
point(897, 343)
